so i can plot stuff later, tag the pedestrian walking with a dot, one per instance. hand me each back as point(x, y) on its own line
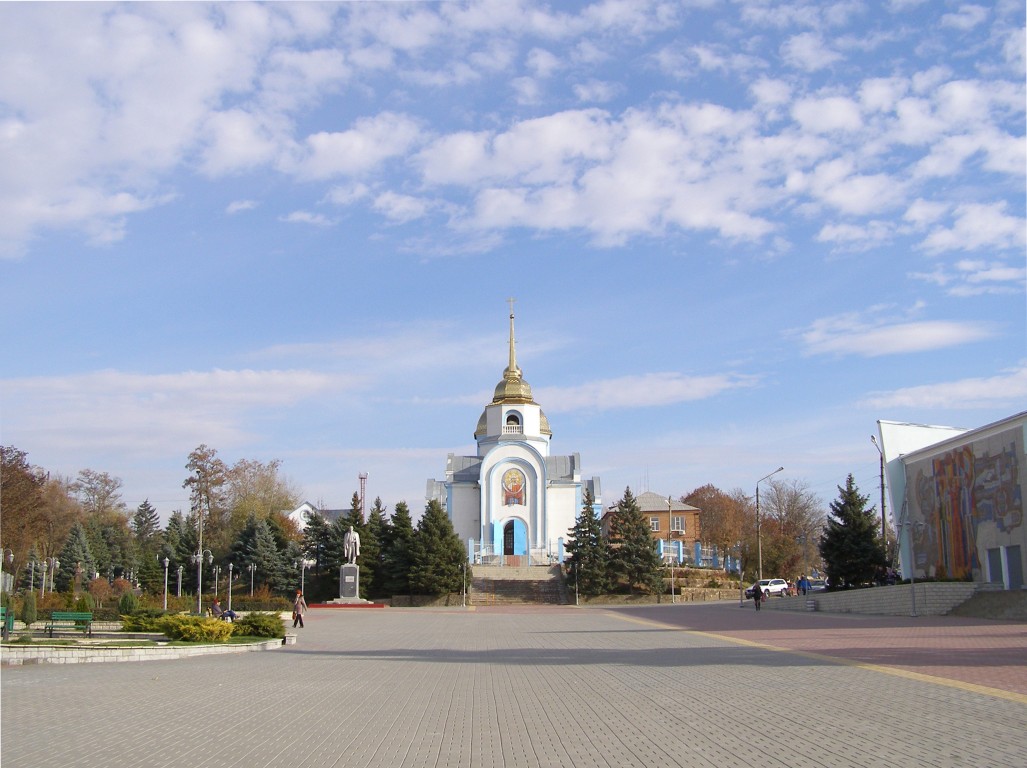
point(299, 607)
point(757, 594)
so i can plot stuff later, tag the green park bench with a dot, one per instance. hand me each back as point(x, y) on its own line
point(7, 619)
point(75, 620)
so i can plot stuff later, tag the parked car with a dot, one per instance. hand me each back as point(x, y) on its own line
point(817, 585)
point(770, 587)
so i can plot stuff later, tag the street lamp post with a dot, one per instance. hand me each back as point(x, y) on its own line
point(9, 557)
point(180, 569)
point(230, 566)
point(198, 559)
point(884, 525)
point(910, 526)
point(741, 574)
point(42, 584)
point(302, 564)
point(759, 523)
point(252, 569)
point(217, 575)
point(166, 564)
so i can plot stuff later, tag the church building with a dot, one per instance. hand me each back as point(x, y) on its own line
point(513, 502)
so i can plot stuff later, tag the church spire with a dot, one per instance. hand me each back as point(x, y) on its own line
point(512, 367)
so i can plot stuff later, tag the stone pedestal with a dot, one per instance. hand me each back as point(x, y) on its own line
point(349, 582)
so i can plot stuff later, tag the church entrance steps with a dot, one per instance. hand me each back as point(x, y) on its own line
point(518, 586)
point(522, 573)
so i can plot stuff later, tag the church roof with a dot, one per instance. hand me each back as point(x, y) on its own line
point(465, 469)
point(562, 468)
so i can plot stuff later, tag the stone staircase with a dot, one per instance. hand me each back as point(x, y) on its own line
point(997, 605)
point(530, 585)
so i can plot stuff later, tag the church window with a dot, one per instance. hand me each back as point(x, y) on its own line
point(654, 523)
point(512, 425)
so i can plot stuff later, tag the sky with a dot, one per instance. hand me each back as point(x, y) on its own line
point(737, 234)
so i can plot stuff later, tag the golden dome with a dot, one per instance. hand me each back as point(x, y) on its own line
point(512, 389)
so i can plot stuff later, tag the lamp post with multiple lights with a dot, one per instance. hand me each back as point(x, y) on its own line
point(759, 523)
point(198, 559)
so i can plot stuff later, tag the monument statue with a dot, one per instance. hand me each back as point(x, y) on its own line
point(351, 545)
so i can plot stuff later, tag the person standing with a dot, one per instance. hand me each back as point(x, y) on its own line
point(299, 607)
point(757, 594)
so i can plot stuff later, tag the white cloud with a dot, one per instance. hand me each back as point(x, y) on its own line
point(874, 336)
point(968, 17)
point(147, 413)
point(978, 226)
point(976, 277)
point(400, 208)
point(596, 91)
point(808, 52)
point(306, 217)
point(359, 150)
point(641, 391)
point(835, 182)
point(541, 62)
point(240, 205)
point(834, 113)
point(856, 236)
point(1006, 390)
point(347, 194)
point(923, 212)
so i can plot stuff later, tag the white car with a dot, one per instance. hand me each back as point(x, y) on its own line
point(770, 587)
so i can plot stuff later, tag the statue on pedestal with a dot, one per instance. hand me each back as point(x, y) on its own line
point(351, 545)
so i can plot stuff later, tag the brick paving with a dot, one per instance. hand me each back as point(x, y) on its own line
point(680, 685)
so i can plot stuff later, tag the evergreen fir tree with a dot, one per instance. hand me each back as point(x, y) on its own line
point(145, 522)
point(256, 544)
point(589, 560)
point(179, 547)
point(74, 557)
point(31, 573)
point(851, 548)
point(146, 529)
point(322, 578)
point(633, 556)
point(371, 551)
point(437, 556)
point(396, 552)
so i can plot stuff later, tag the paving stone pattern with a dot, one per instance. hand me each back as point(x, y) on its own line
point(541, 686)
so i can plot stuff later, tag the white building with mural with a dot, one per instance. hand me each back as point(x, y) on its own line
point(958, 499)
point(513, 502)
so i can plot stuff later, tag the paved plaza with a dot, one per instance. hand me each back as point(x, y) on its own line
point(671, 685)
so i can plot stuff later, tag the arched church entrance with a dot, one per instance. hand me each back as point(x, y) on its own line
point(515, 540)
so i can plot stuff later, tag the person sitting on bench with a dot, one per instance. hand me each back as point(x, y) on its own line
point(220, 613)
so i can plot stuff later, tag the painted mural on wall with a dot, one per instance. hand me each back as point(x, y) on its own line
point(513, 487)
point(961, 495)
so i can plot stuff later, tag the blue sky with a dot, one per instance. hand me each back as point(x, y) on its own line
point(738, 234)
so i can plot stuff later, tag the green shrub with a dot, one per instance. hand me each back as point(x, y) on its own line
point(196, 629)
point(260, 625)
point(141, 622)
point(28, 609)
point(84, 603)
point(128, 603)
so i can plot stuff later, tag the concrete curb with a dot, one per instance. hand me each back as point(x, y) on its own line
point(13, 655)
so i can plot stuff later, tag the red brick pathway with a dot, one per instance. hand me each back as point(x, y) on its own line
point(974, 651)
